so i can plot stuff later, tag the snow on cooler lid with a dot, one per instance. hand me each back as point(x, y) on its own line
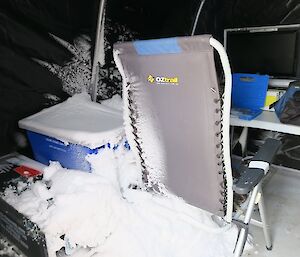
point(78, 120)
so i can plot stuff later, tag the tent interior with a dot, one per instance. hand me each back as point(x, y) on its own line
point(46, 55)
point(26, 30)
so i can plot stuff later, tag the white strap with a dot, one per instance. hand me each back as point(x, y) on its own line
point(259, 165)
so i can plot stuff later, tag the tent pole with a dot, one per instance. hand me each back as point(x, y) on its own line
point(99, 59)
point(197, 17)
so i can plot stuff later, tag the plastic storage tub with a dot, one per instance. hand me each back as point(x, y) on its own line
point(70, 131)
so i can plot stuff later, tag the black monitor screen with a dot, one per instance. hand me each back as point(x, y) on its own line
point(271, 53)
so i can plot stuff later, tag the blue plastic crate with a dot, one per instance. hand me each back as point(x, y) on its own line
point(249, 90)
point(248, 94)
point(71, 156)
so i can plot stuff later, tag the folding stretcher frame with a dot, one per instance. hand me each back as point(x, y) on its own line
point(178, 125)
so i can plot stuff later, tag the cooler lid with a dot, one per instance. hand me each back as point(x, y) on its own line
point(78, 120)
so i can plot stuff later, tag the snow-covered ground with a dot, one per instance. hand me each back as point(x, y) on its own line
point(100, 214)
point(281, 195)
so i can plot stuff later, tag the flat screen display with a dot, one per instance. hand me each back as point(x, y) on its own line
point(273, 53)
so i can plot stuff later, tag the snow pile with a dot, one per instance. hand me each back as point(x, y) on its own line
point(107, 213)
point(115, 102)
point(80, 121)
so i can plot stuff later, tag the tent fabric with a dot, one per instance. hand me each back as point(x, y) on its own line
point(6, 136)
point(29, 42)
point(25, 86)
point(156, 19)
point(28, 71)
point(63, 18)
point(20, 100)
point(261, 13)
point(172, 92)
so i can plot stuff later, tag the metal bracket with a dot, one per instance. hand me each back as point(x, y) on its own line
point(240, 224)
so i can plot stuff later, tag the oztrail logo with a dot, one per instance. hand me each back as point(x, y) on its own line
point(151, 79)
point(163, 80)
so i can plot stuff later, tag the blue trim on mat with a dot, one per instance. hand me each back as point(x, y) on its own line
point(157, 46)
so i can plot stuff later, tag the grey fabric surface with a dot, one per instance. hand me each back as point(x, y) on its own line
point(185, 113)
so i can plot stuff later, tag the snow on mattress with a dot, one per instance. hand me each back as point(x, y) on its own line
point(78, 120)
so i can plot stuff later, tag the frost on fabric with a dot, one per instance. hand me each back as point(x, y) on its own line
point(100, 214)
point(143, 132)
point(148, 134)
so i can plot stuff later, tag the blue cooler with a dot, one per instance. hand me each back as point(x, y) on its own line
point(70, 131)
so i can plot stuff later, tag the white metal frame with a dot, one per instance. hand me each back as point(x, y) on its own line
point(226, 123)
point(256, 196)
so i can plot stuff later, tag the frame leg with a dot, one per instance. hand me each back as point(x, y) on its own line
point(243, 140)
point(242, 237)
point(266, 228)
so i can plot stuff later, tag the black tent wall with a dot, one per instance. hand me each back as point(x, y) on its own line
point(153, 19)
